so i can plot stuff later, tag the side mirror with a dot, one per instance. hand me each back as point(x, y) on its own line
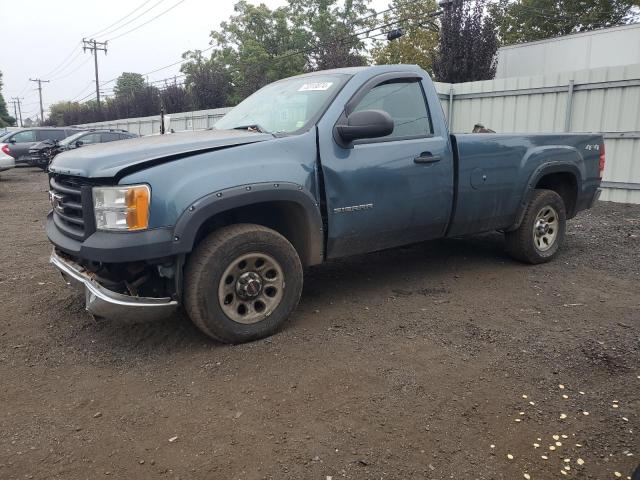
point(366, 124)
point(79, 143)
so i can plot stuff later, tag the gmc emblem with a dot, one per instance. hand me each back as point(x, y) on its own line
point(56, 199)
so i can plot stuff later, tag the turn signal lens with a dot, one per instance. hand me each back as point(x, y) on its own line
point(122, 208)
point(138, 207)
point(602, 160)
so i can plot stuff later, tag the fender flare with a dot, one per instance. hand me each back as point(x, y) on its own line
point(542, 170)
point(190, 221)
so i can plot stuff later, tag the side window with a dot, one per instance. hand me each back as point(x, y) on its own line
point(405, 102)
point(90, 138)
point(50, 134)
point(25, 136)
point(110, 137)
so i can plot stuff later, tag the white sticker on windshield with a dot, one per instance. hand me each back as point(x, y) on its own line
point(315, 86)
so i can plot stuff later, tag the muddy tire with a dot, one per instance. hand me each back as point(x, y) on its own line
point(542, 230)
point(242, 282)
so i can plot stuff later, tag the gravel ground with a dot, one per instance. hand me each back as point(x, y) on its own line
point(408, 363)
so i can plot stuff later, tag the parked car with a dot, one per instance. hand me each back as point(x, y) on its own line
point(41, 154)
point(19, 142)
point(6, 161)
point(309, 168)
point(5, 134)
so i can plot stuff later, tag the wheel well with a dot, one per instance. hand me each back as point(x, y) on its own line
point(565, 185)
point(287, 218)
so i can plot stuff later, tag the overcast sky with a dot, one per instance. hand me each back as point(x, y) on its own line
point(38, 35)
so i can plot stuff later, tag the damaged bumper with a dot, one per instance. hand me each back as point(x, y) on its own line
point(102, 302)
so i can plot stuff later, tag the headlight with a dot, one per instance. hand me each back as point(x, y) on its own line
point(122, 208)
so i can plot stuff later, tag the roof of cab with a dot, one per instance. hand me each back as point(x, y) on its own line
point(370, 69)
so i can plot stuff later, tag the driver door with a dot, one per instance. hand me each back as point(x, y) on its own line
point(393, 190)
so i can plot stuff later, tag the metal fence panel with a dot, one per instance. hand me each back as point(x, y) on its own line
point(603, 100)
point(197, 120)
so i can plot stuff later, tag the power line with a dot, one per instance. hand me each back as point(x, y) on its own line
point(354, 36)
point(86, 60)
point(184, 60)
point(147, 22)
point(158, 69)
point(279, 57)
point(99, 32)
point(82, 91)
point(174, 77)
point(375, 14)
point(68, 60)
point(63, 61)
point(24, 89)
point(109, 32)
point(66, 65)
point(548, 14)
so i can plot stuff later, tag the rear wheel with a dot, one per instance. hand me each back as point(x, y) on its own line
point(542, 230)
point(242, 282)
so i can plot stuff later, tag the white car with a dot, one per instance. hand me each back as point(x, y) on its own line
point(6, 160)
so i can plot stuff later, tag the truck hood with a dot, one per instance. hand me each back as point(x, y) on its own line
point(107, 160)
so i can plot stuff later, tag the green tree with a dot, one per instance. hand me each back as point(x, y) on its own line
point(133, 97)
point(419, 44)
point(175, 98)
point(255, 46)
point(530, 20)
point(59, 113)
point(6, 120)
point(333, 30)
point(208, 80)
point(129, 83)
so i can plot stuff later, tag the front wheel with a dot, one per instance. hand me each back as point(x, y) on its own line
point(242, 282)
point(542, 230)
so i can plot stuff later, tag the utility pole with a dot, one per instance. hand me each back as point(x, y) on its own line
point(18, 114)
point(94, 46)
point(40, 82)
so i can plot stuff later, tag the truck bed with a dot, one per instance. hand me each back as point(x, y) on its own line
point(494, 172)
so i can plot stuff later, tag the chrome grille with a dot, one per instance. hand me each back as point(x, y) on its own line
point(70, 199)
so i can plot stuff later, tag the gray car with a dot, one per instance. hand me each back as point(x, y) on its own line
point(6, 162)
point(19, 142)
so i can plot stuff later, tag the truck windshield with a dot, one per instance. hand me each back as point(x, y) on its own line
point(284, 106)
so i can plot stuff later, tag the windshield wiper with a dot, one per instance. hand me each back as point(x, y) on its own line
point(254, 127)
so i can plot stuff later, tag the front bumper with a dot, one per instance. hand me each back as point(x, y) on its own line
point(102, 302)
point(35, 159)
point(115, 247)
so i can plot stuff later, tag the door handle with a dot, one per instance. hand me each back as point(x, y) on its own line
point(426, 157)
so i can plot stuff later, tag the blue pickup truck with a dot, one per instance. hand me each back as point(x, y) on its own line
point(318, 166)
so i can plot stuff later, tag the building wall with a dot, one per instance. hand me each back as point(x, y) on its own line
point(607, 47)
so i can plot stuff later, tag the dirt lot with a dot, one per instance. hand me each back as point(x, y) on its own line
point(409, 363)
